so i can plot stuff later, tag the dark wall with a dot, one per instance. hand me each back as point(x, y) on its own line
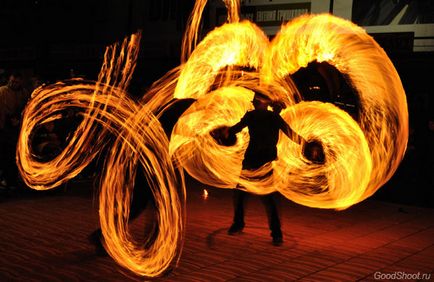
point(51, 37)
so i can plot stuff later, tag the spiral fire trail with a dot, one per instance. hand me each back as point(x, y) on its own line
point(221, 72)
point(107, 111)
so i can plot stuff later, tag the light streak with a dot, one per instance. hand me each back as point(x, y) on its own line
point(220, 72)
point(133, 136)
point(205, 194)
point(361, 156)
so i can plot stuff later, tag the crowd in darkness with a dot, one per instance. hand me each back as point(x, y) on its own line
point(13, 97)
point(47, 139)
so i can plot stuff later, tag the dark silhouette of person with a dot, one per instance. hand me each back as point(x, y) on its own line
point(264, 127)
point(13, 98)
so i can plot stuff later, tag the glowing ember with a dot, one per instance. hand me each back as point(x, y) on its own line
point(205, 194)
point(220, 72)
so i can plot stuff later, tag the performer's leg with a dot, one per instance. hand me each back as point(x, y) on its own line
point(140, 198)
point(273, 218)
point(95, 238)
point(238, 224)
point(141, 195)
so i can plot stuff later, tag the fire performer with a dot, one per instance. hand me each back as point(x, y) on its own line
point(264, 126)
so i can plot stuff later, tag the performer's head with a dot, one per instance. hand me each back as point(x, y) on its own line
point(260, 101)
point(278, 106)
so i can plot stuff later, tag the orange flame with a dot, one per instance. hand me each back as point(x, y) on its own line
point(205, 194)
point(139, 139)
point(220, 72)
point(361, 157)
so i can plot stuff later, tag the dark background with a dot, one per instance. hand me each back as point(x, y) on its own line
point(382, 12)
point(51, 37)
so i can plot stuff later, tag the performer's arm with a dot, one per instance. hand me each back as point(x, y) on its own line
point(289, 132)
point(225, 135)
point(313, 150)
point(239, 126)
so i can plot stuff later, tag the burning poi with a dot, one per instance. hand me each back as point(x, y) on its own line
point(220, 73)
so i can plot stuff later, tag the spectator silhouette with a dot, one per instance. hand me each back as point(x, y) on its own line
point(13, 97)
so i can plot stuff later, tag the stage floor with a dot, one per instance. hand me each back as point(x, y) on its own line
point(43, 237)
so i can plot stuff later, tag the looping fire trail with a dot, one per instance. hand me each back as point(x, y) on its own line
point(221, 72)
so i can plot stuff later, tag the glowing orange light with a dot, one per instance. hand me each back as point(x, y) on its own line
point(220, 72)
point(361, 156)
point(205, 194)
point(139, 139)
